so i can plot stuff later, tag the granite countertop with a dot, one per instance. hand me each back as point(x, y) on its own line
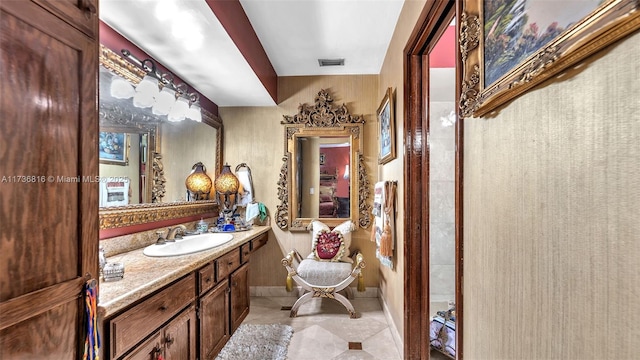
point(143, 275)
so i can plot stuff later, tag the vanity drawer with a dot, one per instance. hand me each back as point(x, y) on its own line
point(128, 328)
point(245, 251)
point(206, 278)
point(259, 241)
point(228, 263)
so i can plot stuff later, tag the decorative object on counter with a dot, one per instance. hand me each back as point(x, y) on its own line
point(113, 271)
point(202, 226)
point(226, 186)
point(174, 100)
point(198, 183)
point(258, 342)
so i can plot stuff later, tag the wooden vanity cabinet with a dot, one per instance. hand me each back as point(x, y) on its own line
point(213, 310)
point(223, 309)
point(133, 325)
point(176, 340)
point(197, 313)
point(239, 296)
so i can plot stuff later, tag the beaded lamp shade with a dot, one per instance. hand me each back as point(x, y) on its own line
point(226, 184)
point(198, 183)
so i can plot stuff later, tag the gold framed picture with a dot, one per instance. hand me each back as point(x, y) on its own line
point(386, 129)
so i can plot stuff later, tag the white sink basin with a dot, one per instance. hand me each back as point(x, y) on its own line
point(188, 245)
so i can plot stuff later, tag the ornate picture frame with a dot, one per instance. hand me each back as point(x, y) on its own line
point(541, 44)
point(386, 129)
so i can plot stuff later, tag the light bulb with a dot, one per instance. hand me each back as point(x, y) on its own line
point(179, 109)
point(121, 88)
point(194, 112)
point(164, 101)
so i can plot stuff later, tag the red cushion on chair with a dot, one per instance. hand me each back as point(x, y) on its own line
point(328, 245)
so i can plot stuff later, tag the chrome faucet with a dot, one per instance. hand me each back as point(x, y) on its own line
point(173, 232)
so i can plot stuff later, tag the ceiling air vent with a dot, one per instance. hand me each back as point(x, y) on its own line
point(331, 62)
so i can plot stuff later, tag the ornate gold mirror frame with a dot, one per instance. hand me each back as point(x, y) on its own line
point(322, 120)
point(122, 216)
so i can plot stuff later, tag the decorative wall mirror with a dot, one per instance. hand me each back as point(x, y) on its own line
point(323, 176)
point(155, 189)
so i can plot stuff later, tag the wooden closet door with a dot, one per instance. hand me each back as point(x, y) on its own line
point(48, 188)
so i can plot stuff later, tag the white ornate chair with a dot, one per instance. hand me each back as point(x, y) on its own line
point(328, 269)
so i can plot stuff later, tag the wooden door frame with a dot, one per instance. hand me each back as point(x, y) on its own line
point(432, 23)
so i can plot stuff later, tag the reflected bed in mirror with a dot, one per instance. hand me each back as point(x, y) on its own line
point(144, 173)
point(323, 175)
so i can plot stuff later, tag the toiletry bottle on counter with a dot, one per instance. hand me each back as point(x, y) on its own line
point(202, 226)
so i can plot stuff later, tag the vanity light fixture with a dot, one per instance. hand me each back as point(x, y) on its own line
point(174, 100)
point(226, 185)
point(198, 183)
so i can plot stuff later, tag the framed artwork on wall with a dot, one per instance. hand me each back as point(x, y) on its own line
point(386, 129)
point(113, 148)
point(508, 47)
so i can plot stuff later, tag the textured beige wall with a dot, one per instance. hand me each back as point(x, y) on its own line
point(392, 75)
point(254, 135)
point(551, 209)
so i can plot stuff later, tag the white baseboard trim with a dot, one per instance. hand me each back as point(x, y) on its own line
point(392, 327)
point(280, 291)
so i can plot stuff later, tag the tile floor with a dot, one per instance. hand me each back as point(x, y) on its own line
point(323, 329)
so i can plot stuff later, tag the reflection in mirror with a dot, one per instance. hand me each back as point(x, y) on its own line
point(160, 153)
point(323, 175)
point(442, 182)
point(325, 160)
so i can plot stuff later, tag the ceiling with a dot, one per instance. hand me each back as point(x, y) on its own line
point(188, 38)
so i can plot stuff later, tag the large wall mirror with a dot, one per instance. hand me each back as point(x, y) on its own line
point(323, 175)
point(145, 159)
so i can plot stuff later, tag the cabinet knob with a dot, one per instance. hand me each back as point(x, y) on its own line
point(88, 6)
point(168, 340)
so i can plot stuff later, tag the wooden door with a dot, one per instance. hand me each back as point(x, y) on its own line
point(48, 193)
point(214, 320)
point(180, 336)
point(239, 296)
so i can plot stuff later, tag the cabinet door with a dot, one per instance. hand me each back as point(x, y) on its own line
point(214, 320)
point(149, 350)
point(239, 296)
point(180, 336)
point(83, 14)
point(48, 205)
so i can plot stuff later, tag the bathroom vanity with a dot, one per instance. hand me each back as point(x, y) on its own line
point(179, 307)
